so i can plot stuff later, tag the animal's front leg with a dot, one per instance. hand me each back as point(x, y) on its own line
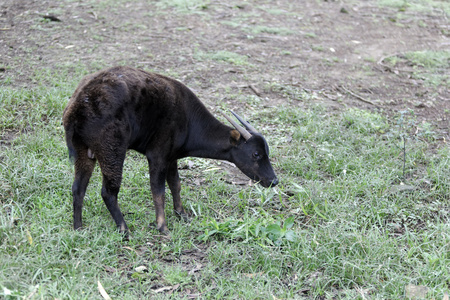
point(157, 184)
point(173, 180)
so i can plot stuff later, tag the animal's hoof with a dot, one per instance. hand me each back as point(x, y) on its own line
point(163, 229)
point(165, 232)
point(125, 236)
point(183, 215)
point(77, 225)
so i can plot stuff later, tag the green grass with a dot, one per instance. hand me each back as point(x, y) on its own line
point(338, 223)
point(185, 6)
point(426, 6)
point(429, 66)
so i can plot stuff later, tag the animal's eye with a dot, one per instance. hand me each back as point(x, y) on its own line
point(256, 154)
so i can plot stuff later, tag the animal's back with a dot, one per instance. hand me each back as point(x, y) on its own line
point(106, 91)
point(137, 105)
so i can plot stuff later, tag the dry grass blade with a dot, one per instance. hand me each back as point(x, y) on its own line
point(102, 291)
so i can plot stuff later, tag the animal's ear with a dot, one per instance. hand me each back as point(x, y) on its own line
point(234, 137)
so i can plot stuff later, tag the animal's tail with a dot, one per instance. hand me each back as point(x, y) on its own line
point(69, 141)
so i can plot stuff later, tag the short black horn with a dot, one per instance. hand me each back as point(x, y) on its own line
point(239, 128)
point(245, 123)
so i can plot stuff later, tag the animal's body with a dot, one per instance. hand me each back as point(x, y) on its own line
point(123, 108)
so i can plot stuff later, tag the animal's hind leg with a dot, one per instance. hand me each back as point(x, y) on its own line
point(111, 165)
point(173, 180)
point(83, 171)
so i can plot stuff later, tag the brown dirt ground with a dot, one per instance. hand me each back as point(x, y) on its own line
point(335, 51)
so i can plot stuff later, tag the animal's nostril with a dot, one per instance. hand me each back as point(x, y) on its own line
point(274, 182)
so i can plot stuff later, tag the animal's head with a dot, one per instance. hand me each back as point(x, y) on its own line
point(251, 153)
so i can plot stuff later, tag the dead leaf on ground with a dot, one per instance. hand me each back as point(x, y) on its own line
point(166, 288)
point(140, 269)
point(30, 239)
point(131, 249)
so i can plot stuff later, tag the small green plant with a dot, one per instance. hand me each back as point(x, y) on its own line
point(258, 230)
point(318, 48)
point(277, 232)
point(406, 128)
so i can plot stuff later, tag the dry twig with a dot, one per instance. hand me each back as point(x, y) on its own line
point(257, 93)
point(359, 97)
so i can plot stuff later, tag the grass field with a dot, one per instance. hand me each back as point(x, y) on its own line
point(362, 209)
point(346, 220)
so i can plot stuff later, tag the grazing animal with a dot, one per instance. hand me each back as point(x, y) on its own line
point(123, 108)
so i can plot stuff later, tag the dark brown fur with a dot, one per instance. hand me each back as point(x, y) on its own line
point(124, 108)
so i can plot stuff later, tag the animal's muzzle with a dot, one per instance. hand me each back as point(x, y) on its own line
point(268, 183)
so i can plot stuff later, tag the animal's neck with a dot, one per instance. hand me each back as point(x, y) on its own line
point(209, 138)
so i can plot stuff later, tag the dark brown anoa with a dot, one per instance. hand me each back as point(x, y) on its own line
point(123, 108)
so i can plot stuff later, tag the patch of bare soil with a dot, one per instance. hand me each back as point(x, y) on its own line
point(334, 50)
